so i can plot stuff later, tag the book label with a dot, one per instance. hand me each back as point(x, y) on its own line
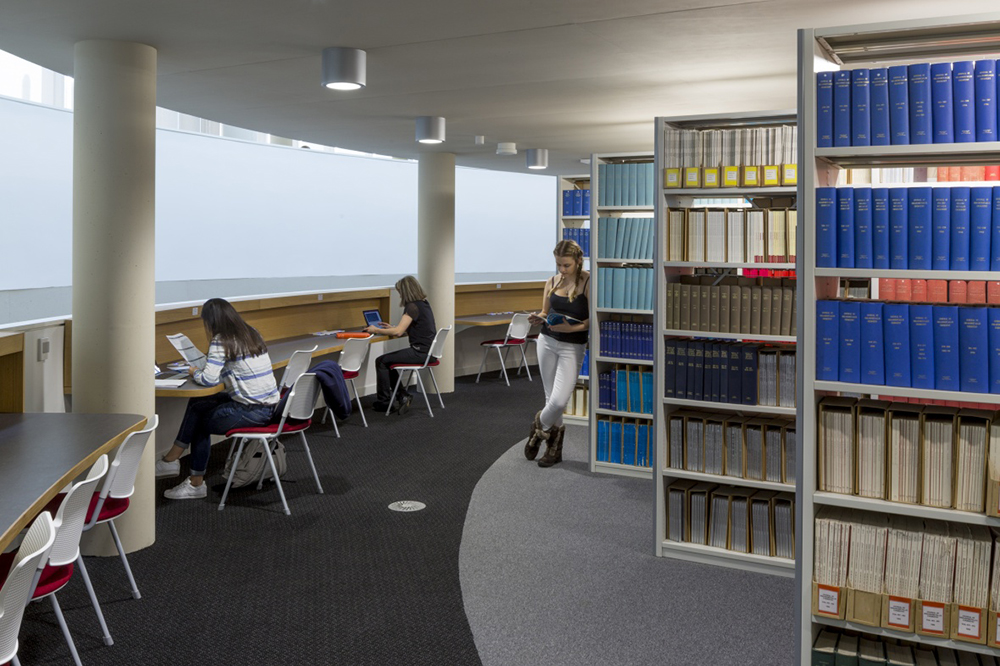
point(672, 178)
point(692, 177)
point(899, 612)
point(750, 176)
point(731, 176)
point(932, 621)
point(711, 177)
point(828, 600)
point(789, 175)
point(970, 622)
point(770, 176)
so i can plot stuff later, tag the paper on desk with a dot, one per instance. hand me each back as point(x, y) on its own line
point(169, 383)
point(333, 332)
point(187, 350)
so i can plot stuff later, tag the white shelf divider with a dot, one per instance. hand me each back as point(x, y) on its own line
point(680, 333)
point(674, 473)
point(729, 406)
point(696, 552)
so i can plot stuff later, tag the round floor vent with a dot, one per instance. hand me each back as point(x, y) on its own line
point(407, 505)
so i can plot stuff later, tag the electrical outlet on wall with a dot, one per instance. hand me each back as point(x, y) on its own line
point(43, 349)
point(194, 312)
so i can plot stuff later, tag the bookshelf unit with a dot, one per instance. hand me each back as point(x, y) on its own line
point(844, 48)
point(568, 220)
point(670, 269)
point(621, 198)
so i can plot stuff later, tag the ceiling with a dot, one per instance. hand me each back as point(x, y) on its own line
point(573, 76)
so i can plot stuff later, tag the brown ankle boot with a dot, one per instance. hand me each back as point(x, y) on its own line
point(534, 440)
point(553, 452)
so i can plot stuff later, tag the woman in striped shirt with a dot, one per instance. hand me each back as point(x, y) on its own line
point(237, 356)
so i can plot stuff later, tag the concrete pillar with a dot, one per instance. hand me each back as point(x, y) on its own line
point(114, 151)
point(436, 250)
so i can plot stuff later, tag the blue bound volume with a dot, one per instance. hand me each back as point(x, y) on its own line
point(946, 348)
point(615, 444)
point(993, 321)
point(577, 202)
point(604, 185)
point(845, 227)
point(973, 350)
point(860, 105)
point(921, 127)
point(863, 249)
point(827, 343)
point(826, 227)
point(628, 443)
point(602, 440)
point(849, 355)
point(880, 227)
point(922, 346)
point(750, 374)
point(872, 359)
point(986, 100)
point(824, 110)
point(842, 108)
point(995, 237)
point(586, 202)
point(960, 243)
point(642, 446)
point(896, 333)
point(964, 86)
point(879, 104)
point(898, 234)
point(567, 202)
point(899, 107)
point(980, 227)
point(941, 225)
point(919, 225)
point(942, 95)
point(680, 371)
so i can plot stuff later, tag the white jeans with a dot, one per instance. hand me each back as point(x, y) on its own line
point(559, 364)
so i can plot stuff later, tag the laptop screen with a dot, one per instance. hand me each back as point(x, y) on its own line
point(372, 317)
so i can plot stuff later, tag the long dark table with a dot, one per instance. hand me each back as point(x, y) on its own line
point(41, 453)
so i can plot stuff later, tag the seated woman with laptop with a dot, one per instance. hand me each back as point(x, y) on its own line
point(417, 323)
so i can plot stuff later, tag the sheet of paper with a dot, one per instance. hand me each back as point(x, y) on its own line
point(187, 350)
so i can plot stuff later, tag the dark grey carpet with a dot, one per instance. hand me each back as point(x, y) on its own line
point(558, 567)
point(343, 580)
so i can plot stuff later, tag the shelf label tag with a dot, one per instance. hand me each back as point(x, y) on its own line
point(828, 600)
point(899, 612)
point(969, 622)
point(933, 618)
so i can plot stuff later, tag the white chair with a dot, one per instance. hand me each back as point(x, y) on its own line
point(15, 589)
point(517, 335)
point(295, 418)
point(297, 364)
point(351, 360)
point(433, 358)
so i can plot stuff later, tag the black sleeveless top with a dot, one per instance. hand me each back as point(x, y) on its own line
point(578, 309)
point(421, 330)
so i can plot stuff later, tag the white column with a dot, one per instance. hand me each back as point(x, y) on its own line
point(114, 151)
point(436, 250)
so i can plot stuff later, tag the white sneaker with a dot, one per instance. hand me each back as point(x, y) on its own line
point(186, 491)
point(165, 469)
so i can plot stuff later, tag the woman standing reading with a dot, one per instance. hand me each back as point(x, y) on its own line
point(565, 320)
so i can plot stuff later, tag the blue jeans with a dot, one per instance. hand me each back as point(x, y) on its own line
point(215, 415)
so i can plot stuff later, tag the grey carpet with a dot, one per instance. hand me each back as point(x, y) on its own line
point(557, 567)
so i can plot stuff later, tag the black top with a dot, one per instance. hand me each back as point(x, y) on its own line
point(578, 309)
point(421, 329)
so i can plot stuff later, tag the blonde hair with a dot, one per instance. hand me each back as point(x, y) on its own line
point(568, 248)
point(410, 290)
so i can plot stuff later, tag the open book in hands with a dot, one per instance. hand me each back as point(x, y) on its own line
point(191, 354)
point(555, 318)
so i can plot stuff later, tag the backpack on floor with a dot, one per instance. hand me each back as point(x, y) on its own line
point(253, 461)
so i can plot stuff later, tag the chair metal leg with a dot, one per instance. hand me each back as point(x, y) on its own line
point(420, 382)
point(65, 630)
point(392, 398)
point(277, 479)
point(93, 600)
point(232, 473)
point(333, 420)
point(14, 661)
point(309, 455)
point(524, 359)
point(121, 553)
point(430, 371)
point(361, 410)
point(486, 352)
point(503, 365)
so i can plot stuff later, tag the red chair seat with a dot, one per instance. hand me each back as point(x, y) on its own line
point(112, 507)
point(407, 366)
point(271, 429)
point(350, 374)
point(51, 580)
point(501, 342)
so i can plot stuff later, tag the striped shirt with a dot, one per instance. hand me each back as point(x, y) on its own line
point(248, 379)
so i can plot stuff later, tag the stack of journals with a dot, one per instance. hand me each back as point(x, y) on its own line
point(624, 441)
point(943, 347)
point(958, 292)
point(737, 519)
point(903, 452)
point(730, 157)
point(738, 236)
point(579, 236)
point(626, 389)
point(912, 228)
point(756, 306)
point(578, 403)
point(626, 340)
point(742, 447)
point(625, 288)
point(834, 647)
point(734, 373)
point(907, 104)
point(629, 184)
point(625, 237)
point(576, 202)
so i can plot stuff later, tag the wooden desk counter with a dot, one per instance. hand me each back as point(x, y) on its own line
point(41, 453)
point(484, 319)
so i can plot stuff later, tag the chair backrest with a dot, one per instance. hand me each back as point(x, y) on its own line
point(355, 350)
point(520, 324)
point(120, 481)
point(16, 589)
point(437, 347)
point(297, 364)
point(301, 401)
point(72, 513)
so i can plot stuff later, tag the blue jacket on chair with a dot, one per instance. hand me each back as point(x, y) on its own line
point(334, 387)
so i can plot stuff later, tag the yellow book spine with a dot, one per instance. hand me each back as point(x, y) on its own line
point(711, 177)
point(751, 176)
point(771, 176)
point(692, 177)
point(730, 176)
point(671, 178)
point(789, 174)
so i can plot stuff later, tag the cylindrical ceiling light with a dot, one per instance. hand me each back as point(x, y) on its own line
point(430, 129)
point(538, 158)
point(506, 148)
point(344, 68)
